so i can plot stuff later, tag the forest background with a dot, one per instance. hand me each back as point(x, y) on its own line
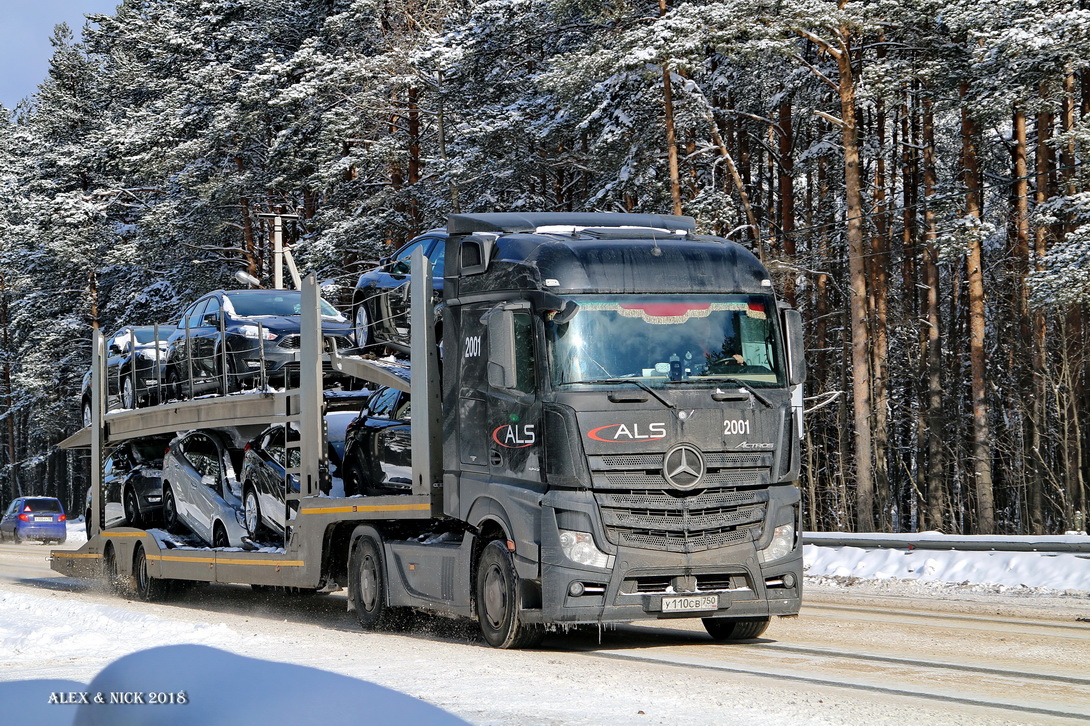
point(913, 172)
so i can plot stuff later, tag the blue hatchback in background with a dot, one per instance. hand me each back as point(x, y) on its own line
point(34, 518)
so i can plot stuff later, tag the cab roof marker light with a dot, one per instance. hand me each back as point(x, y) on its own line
point(766, 283)
point(575, 229)
point(552, 282)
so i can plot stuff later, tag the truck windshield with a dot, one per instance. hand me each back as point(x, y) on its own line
point(661, 340)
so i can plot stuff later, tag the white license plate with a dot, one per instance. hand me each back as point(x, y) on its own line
point(687, 603)
point(43, 519)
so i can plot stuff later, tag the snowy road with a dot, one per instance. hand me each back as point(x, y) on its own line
point(846, 659)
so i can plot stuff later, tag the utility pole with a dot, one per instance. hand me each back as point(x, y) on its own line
point(279, 253)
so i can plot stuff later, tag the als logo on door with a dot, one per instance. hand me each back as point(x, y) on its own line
point(628, 433)
point(514, 436)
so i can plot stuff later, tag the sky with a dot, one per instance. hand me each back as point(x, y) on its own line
point(25, 29)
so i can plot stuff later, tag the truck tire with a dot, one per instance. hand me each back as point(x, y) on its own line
point(497, 600)
point(148, 588)
point(115, 581)
point(732, 629)
point(369, 586)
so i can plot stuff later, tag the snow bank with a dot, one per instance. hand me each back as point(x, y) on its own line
point(1057, 572)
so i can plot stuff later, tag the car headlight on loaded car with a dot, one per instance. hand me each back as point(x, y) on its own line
point(579, 547)
point(783, 541)
point(252, 331)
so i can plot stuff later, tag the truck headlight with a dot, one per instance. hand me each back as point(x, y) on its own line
point(783, 541)
point(579, 547)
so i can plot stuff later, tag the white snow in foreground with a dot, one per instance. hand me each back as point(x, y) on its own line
point(1043, 571)
point(40, 634)
point(34, 630)
point(224, 688)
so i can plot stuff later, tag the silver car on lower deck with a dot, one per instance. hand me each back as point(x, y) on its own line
point(201, 491)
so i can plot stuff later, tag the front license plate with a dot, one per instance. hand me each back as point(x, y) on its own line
point(43, 519)
point(688, 603)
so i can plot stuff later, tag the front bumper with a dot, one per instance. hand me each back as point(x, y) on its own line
point(640, 580)
point(727, 581)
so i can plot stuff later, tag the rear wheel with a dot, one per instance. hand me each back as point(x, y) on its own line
point(86, 413)
point(731, 629)
point(252, 510)
point(132, 510)
point(170, 510)
point(148, 588)
point(498, 603)
point(109, 569)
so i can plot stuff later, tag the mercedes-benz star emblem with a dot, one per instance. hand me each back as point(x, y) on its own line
point(683, 466)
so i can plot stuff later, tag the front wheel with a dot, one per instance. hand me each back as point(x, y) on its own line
point(174, 385)
point(369, 585)
point(498, 603)
point(132, 510)
point(219, 536)
point(361, 325)
point(86, 413)
point(128, 393)
point(732, 629)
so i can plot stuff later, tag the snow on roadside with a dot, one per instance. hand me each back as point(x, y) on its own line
point(1037, 572)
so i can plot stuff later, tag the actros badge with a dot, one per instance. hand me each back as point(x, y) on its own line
point(683, 466)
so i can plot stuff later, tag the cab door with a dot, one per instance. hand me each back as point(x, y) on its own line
point(514, 409)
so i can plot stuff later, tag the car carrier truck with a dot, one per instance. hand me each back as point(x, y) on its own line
point(608, 432)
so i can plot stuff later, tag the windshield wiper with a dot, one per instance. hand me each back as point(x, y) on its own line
point(752, 391)
point(638, 384)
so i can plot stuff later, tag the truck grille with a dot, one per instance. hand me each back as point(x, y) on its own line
point(640, 509)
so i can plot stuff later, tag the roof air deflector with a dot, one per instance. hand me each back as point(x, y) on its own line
point(511, 222)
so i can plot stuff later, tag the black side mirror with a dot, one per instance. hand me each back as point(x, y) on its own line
point(796, 357)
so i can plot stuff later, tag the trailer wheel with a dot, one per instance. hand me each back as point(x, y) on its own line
point(369, 585)
point(732, 629)
point(497, 600)
point(148, 588)
point(114, 581)
point(132, 509)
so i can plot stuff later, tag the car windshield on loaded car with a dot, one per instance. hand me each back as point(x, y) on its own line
point(231, 339)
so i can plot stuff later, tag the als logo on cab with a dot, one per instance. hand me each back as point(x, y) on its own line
point(628, 433)
point(513, 436)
